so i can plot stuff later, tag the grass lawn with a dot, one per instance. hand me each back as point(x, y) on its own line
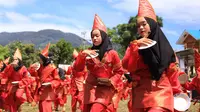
point(122, 107)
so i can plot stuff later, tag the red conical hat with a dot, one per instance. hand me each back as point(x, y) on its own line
point(146, 10)
point(75, 53)
point(45, 51)
point(18, 54)
point(98, 24)
point(6, 61)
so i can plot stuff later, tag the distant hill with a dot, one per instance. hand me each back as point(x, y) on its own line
point(41, 38)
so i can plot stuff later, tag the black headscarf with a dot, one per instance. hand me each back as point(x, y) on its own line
point(46, 60)
point(158, 57)
point(61, 73)
point(105, 45)
point(4, 66)
point(19, 65)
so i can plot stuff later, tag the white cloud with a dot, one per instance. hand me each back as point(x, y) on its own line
point(19, 27)
point(180, 11)
point(13, 3)
point(16, 17)
point(170, 32)
point(126, 5)
point(19, 22)
point(40, 16)
point(109, 0)
point(172, 36)
point(49, 16)
point(112, 1)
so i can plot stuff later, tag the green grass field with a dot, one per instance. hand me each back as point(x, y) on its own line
point(122, 107)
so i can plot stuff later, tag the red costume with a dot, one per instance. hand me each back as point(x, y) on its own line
point(98, 98)
point(153, 92)
point(77, 88)
point(149, 92)
point(47, 73)
point(127, 93)
point(173, 73)
point(77, 85)
point(3, 85)
point(15, 91)
point(195, 83)
point(100, 94)
point(63, 90)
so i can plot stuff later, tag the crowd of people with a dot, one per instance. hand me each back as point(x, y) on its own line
point(98, 79)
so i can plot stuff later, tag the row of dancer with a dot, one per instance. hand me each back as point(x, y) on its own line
point(42, 83)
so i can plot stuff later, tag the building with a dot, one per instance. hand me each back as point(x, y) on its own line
point(189, 39)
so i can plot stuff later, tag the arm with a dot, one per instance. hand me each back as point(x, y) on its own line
point(80, 62)
point(26, 79)
point(26, 82)
point(117, 71)
point(55, 83)
point(69, 70)
point(129, 62)
point(195, 83)
point(173, 73)
point(6, 74)
point(189, 86)
point(33, 72)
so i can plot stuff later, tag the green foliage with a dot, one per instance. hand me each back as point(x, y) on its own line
point(62, 51)
point(82, 47)
point(29, 53)
point(160, 21)
point(4, 53)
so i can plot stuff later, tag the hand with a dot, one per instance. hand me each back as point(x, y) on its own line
point(144, 41)
point(104, 81)
point(89, 52)
point(33, 103)
point(36, 66)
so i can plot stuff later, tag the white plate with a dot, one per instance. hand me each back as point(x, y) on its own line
point(47, 83)
point(181, 102)
point(15, 82)
point(92, 56)
point(149, 45)
point(63, 66)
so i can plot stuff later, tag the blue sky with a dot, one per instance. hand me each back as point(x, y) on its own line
point(77, 16)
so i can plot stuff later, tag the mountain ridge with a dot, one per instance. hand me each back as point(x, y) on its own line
point(41, 38)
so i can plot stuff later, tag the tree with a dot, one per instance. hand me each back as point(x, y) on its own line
point(29, 53)
point(123, 34)
point(62, 51)
point(83, 47)
point(4, 52)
